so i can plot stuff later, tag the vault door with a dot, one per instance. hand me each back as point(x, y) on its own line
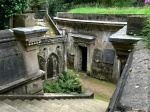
point(83, 58)
point(52, 66)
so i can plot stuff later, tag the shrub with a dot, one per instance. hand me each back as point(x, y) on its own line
point(68, 82)
point(146, 31)
point(8, 8)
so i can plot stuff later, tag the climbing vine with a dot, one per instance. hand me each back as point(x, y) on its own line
point(8, 8)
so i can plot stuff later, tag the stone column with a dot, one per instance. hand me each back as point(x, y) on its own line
point(28, 38)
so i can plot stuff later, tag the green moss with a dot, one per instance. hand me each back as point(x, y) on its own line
point(100, 98)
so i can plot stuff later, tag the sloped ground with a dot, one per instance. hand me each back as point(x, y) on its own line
point(102, 90)
point(67, 105)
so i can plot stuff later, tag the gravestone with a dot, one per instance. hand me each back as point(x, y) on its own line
point(108, 56)
point(97, 56)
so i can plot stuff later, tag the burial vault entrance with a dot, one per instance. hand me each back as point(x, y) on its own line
point(52, 66)
point(83, 58)
point(84, 45)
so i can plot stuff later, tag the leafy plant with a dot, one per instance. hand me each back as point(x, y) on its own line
point(146, 31)
point(68, 82)
point(8, 8)
point(36, 3)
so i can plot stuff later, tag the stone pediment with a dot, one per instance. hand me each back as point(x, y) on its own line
point(86, 37)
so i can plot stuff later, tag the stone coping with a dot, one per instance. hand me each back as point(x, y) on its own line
point(91, 21)
point(6, 36)
point(53, 37)
point(24, 80)
point(86, 95)
point(121, 36)
point(29, 30)
point(98, 17)
point(87, 37)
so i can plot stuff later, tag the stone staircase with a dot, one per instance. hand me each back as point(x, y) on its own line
point(50, 105)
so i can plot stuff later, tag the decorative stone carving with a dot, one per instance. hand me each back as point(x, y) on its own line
point(30, 36)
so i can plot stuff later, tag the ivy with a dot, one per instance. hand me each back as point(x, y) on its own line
point(8, 8)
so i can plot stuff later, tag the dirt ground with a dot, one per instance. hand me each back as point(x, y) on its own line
point(100, 88)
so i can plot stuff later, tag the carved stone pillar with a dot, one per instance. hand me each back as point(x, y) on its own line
point(28, 38)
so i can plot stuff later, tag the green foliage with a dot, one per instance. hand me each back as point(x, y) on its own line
point(8, 8)
point(68, 82)
point(146, 31)
point(65, 5)
point(101, 10)
point(36, 3)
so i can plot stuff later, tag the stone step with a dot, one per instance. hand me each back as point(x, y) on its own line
point(62, 105)
point(4, 107)
point(22, 105)
point(50, 106)
point(83, 105)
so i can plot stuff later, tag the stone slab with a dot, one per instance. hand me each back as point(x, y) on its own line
point(121, 36)
point(34, 87)
point(108, 56)
point(6, 33)
point(91, 21)
point(88, 37)
point(29, 30)
point(97, 56)
point(135, 24)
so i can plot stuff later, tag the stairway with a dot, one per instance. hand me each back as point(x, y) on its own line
point(62, 105)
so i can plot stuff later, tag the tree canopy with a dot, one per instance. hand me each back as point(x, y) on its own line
point(8, 8)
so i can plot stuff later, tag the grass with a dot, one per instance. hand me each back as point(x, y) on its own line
point(100, 98)
point(99, 10)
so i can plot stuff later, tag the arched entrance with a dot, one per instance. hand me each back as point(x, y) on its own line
point(42, 62)
point(52, 65)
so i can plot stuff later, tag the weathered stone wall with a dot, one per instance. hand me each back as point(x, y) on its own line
point(101, 58)
point(51, 46)
point(19, 73)
point(98, 17)
point(12, 62)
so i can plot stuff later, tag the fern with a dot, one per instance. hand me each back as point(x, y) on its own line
point(68, 82)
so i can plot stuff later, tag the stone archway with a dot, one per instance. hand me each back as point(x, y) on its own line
point(42, 62)
point(52, 65)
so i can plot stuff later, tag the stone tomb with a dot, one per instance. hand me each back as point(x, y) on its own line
point(20, 73)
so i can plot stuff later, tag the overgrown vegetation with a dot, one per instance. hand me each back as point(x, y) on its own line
point(146, 31)
point(65, 5)
point(8, 8)
point(35, 3)
point(99, 10)
point(68, 82)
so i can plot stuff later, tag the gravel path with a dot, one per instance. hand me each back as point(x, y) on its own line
point(100, 88)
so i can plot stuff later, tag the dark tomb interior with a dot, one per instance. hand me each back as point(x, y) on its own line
point(84, 58)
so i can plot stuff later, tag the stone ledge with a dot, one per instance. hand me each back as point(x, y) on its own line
point(21, 81)
point(29, 30)
point(121, 36)
point(91, 21)
point(86, 95)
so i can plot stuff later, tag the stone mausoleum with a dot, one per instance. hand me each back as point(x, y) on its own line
point(32, 50)
point(87, 43)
